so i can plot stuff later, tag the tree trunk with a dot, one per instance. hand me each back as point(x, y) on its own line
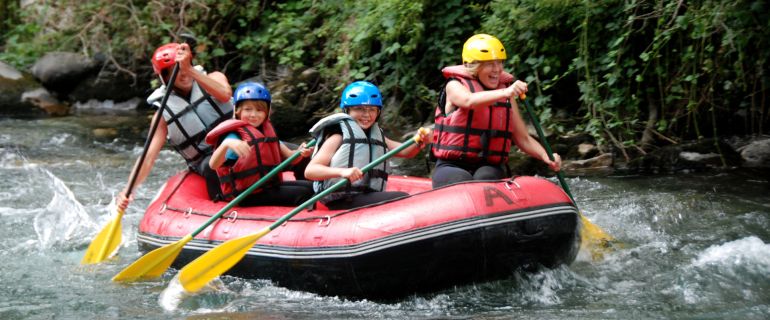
point(652, 118)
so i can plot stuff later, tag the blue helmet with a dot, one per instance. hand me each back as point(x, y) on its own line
point(361, 93)
point(251, 91)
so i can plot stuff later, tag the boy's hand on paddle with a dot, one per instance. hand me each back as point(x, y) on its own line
point(305, 151)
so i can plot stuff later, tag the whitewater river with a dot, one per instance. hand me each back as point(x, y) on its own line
point(693, 246)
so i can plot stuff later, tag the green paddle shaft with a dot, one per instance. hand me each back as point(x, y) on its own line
point(195, 275)
point(547, 146)
point(340, 184)
point(254, 186)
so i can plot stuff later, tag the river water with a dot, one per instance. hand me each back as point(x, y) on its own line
point(694, 246)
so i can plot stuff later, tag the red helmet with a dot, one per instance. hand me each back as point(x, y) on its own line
point(164, 57)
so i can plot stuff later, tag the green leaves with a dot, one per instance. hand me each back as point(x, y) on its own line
point(602, 67)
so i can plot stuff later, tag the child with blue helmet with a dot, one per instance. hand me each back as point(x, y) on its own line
point(247, 148)
point(350, 140)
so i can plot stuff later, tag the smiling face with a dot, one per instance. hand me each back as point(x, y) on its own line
point(254, 112)
point(365, 116)
point(489, 72)
point(183, 82)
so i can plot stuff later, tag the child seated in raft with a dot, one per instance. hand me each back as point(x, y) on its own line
point(351, 140)
point(247, 148)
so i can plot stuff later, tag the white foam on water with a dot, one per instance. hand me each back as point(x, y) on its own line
point(541, 288)
point(64, 219)
point(749, 252)
point(175, 295)
point(172, 296)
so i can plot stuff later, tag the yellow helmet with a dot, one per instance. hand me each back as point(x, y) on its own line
point(483, 47)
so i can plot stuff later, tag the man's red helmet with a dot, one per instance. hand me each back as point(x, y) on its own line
point(164, 57)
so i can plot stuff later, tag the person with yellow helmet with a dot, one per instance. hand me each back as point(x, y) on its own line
point(477, 119)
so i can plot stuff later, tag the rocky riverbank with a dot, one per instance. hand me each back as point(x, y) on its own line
point(69, 84)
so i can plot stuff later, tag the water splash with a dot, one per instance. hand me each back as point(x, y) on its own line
point(540, 288)
point(64, 219)
point(749, 252)
point(733, 271)
point(175, 296)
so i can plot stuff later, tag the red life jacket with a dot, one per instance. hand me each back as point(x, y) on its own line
point(478, 135)
point(264, 155)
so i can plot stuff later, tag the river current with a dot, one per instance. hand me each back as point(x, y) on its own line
point(691, 246)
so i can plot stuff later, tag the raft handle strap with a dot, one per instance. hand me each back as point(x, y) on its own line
point(233, 216)
point(325, 221)
point(508, 184)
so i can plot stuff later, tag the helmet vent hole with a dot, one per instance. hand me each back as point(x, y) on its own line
point(484, 50)
point(354, 96)
point(374, 96)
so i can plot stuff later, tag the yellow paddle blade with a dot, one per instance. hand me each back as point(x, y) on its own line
point(154, 263)
point(197, 274)
point(594, 239)
point(106, 241)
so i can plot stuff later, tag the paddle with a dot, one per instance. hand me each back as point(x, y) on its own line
point(156, 262)
point(107, 241)
point(592, 234)
point(195, 275)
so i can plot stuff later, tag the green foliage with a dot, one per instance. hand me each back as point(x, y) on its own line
point(629, 60)
point(613, 68)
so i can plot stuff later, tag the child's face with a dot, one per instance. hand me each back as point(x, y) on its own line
point(252, 111)
point(365, 116)
point(489, 73)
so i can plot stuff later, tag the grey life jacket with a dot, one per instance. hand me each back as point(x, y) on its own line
point(190, 121)
point(357, 150)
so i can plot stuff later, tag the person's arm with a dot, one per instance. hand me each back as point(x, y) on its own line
point(411, 151)
point(240, 147)
point(458, 95)
point(318, 169)
point(157, 143)
point(527, 143)
point(304, 152)
point(214, 83)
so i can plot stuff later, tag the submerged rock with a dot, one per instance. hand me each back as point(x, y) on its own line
point(44, 100)
point(13, 85)
point(699, 155)
point(756, 154)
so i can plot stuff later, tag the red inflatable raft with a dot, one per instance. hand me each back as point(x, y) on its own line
point(428, 241)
